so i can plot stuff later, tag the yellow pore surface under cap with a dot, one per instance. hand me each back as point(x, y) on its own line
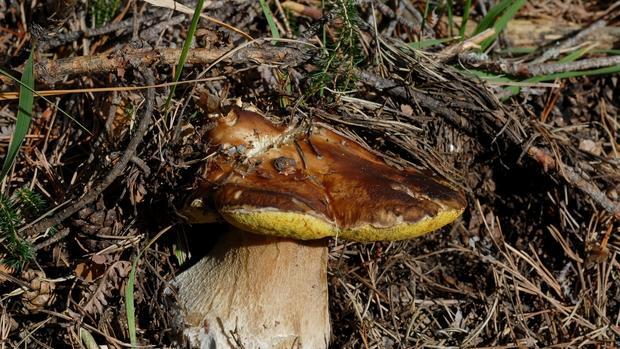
point(307, 227)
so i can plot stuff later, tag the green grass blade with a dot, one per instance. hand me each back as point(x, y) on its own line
point(24, 115)
point(269, 16)
point(449, 8)
point(423, 25)
point(485, 75)
point(466, 12)
point(502, 21)
point(88, 339)
point(184, 52)
point(610, 52)
point(491, 16)
point(575, 55)
point(130, 309)
point(422, 44)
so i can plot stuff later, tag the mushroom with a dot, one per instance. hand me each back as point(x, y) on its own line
point(264, 285)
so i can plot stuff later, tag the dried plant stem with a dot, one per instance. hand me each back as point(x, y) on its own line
point(56, 70)
point(53, 239)
point(452, 51)
point(529, 70)
point(64, 38)
point(573, 178)
point(558, 46)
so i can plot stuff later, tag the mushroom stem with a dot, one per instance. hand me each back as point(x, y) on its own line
point(255, 291)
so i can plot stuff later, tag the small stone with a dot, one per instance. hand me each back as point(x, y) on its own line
point(594, 148)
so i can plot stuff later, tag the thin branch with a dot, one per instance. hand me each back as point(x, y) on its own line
point(572, 40)
point(502, 66)
point(53, 239)
point(425, 100)
point(572, 177)
point(454, 50)
point(51, 42)
point(55, 70)
point(584, 64)
point(452, 111)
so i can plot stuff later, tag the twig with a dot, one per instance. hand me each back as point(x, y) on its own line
point(304, 10)
point(420, 19)
point(64, 38)
point(572, 40)
point(13, 279)
point(574, 179)
point(116, 171)
point(55, 70)
point(52, 240)
point(592, 63)
point(502, 66)
point(136, 21)
point(452, 51)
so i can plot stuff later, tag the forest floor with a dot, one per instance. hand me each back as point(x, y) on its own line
point(516, 103)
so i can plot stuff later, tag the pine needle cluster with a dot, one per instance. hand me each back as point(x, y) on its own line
point(14, 212)
point(102, 11)
point(342, 51)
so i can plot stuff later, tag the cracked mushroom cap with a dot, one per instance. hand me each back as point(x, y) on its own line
point(267, 179)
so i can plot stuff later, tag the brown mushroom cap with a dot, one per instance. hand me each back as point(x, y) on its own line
point(264, 180)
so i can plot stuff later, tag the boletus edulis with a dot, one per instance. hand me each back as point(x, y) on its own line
point(284, 192)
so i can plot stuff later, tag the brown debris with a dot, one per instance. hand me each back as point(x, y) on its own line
point(41, 293)
point(5, 269)
point(100, 291)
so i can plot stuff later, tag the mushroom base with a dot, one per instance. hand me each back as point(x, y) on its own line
point(256, 291)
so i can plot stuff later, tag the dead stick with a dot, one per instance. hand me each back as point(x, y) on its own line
point(556, 47)
point(502, 66)
point(446, 109)
point(116, 170)
point(56, 70)
point(452, 51)
point(48, 43)
point(53, 239)
point(592, 63)
point(573, 178)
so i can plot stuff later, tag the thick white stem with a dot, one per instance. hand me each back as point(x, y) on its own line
point(255, 292)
